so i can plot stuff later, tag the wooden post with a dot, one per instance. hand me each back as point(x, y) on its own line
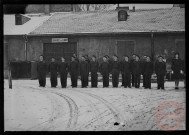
point(9, 77)
point(9, 68)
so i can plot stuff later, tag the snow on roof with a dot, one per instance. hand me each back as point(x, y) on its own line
point(11, 29)
point(159, 20)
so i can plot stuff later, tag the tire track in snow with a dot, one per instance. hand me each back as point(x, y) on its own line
point(73, 111)
point(117, 115)
point(72, 106)
point(46, 125)
point(95, 110)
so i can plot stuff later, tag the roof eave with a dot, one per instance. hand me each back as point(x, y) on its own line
point(104, 33)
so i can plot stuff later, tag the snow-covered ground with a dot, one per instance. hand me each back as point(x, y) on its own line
point(28, 107)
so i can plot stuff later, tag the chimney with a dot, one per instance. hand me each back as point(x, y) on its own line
point(21, 19)
point(122, 13)
point(133, 8)
point(47, 9)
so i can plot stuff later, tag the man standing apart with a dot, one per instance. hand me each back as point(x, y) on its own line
point(177, 69)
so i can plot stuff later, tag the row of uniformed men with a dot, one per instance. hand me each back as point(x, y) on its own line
point(128, 68)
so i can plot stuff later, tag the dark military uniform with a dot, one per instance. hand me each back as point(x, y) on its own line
point(76, 59)
point(122, 74)
point(176, 67)
point(126, 70)
point(137, 72)
point(94, 76)
point(184, 72)
point(183, 67)
point(41, 72)
point(63, 71)
point(115, 69)
point(132, 73)
point(143, 72)
point(160, 70)
point(74, 69)
point(83, 66)
point(88, 66)
point(104, 70)
point(109, 61)
point(53, 69)
point(148, 71)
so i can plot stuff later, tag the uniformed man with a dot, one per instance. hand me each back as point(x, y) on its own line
point(160, 70)
point(126, 70)
point(109, 62)
point(122, 74)
point(115, 69)
point(137, 71)
point(53, 69)
point(88, 64)
point(94, 69)
point(83, 66)
point(177, 69)
point(63, 71)
point(143, 62)
point(41, 71)
point(74, 70)
point(105, 70)
point(132, 67)
point(148, 71)
point(184, 72)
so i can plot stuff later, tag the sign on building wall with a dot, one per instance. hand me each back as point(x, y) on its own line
point(59, 40)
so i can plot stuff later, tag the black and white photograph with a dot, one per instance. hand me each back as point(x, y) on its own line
point(94, 67)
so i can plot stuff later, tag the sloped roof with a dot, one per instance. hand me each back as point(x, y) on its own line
point(159, 20)
point(11, 29)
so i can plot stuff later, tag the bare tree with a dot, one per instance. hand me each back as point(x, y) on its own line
point(91, 7)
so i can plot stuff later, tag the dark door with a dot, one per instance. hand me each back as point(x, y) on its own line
point(58, 50)
point(180, 47)
point(125, 48)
